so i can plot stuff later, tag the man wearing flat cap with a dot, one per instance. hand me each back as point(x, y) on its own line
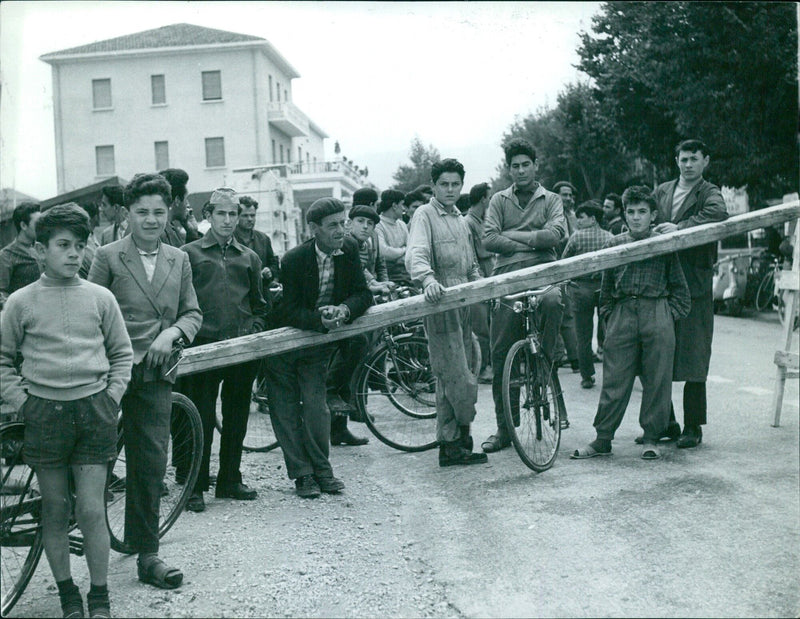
point(227, 279)
point(323, 289)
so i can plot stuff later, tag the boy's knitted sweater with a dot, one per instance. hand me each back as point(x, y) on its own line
point(72, 339)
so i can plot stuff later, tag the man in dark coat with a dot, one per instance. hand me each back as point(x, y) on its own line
point(690, 201)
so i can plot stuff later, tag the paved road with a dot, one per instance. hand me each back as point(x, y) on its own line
point(705, 532)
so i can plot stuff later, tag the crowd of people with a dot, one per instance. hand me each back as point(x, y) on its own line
point(93, 320)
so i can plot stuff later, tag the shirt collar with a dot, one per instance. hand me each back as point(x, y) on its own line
point(148, 253)
point(210, 239)
point(443, 210)
point(321, 255)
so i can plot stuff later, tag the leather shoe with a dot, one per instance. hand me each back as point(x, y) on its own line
point(196, 503)
point(588, 383)
point(453, 454)
point(337, 405)
point(329, 485)
point(238, 491)
point(486, 375)
point(307, 487)
point(495, 442)
point(692, 436)
point(672, 433)
point(345, 437)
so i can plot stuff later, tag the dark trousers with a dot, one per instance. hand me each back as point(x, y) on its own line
point(298, 410)
point(695, 404)
point(585, 300)
point(203, 389)
point(567, 329)
point(508, 327)
point(479, 315)
point(640, 339)
point(346, 358)
point(146, 411)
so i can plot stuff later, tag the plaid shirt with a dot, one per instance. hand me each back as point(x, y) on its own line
point(653, 278)
point(583, 242)
point(325, 264)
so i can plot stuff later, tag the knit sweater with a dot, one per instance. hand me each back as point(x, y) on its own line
point(72, 339)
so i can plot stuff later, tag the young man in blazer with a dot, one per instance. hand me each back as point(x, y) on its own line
point(690, 201)
point(152, 283)
point(323, 289)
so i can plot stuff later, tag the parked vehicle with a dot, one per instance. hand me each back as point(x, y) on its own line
point(730, 283)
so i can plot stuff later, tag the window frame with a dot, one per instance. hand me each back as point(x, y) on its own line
point(110, 105)
point(165, 164)
point(97, 160)
point(153, 89)
point(209, 142)
point(203, 85)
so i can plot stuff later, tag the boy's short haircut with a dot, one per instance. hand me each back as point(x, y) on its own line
point(389, 198)
point(519, 146)
point(692, 146)
point(247, 201)
point(322, 208)
point(115, 194)
point(366, 196)
point(177, 180)
point(362, 210)
point(91, 209)
point(478, 193)
point(638, 194)
point(69, 217)
point(447, 165)
point(22, 213)
point(590, 208)
point(616, 199)
point(463, 203)
point(414, 196)
point(147, 185)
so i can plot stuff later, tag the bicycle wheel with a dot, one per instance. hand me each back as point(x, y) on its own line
point(532, 405)
point(260, 436)
point(20, 511)
point(766, 291)
point(186, 450)
point(395, 392)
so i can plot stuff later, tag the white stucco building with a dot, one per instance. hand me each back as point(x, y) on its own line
point(204, 100)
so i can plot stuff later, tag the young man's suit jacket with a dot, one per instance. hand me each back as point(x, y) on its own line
point(300, 279)
point(149, 307)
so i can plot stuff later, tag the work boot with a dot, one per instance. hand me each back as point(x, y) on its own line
point(692, 436)
point(453, 454)
point(340, 435)
point(466, 437)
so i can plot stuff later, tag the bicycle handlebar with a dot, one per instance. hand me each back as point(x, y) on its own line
point(536, 292)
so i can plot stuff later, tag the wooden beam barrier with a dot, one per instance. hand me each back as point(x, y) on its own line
point(258, 345)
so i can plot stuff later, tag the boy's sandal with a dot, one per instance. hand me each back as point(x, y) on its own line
point(155, 572)
point(588, 452)
point(650, 452)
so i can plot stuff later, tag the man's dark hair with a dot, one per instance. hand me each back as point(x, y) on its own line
point(115, 194)
point(463, 203)
point(519, 146)
point(557, 187)
point(591, 208)
point(616, 199)
point(147, 185)
point(638, 194)
point(389, 198)
point(425, 190)
point(247, 201)
point(322, 208)
point(177, 180)
point(478, 193)
point(447, 165)
point(91, 209)
point(22, 213)
point(63, 217)
point(692, 146)
point(414, 196)
point(366, 196)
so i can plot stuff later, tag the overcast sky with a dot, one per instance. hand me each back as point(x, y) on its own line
point(373, 75)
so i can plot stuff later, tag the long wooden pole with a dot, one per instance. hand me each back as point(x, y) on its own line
point(258, 345)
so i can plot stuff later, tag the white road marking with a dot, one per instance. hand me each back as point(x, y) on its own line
point(718, 379)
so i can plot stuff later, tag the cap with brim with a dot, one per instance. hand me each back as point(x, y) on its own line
point(224, 196)
point(364, 211)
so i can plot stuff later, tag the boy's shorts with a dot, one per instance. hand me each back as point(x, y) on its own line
point(62, 433)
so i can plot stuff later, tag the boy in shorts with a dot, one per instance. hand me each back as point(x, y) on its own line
point(640, 302)
point(77, 360)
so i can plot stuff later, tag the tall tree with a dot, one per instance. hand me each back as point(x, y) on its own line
point(408, 177)
point(724, 72)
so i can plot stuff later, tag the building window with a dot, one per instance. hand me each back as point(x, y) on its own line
point(101, 94)
point(270, 88)
point(299, 154)
point(162, 155)
point(274, 154)
point(104, 160)
point(285, 95)
point(281, 153)
point(215, 152)
point(158, 88)
point(212, 85)
point(278, 90)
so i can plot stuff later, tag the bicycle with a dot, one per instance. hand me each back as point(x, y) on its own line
point(765, 295)
point(20, 500)
point(533, 402)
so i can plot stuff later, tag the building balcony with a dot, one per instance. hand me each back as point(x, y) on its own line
point(288, 118)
